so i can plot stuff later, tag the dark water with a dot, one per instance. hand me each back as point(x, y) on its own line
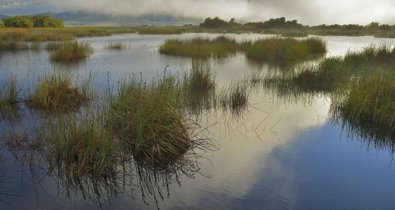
point(282, 153)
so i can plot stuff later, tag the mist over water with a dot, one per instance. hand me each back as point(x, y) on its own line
point(306, 11)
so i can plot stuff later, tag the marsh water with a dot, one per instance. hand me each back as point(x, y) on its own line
point(282, 152)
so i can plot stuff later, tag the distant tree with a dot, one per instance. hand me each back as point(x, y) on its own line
point(214, 23)
point(34, 21)
point(47, 22)
point(277, 23)
point(19, 22)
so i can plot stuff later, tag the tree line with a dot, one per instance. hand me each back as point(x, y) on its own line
point(33, 22)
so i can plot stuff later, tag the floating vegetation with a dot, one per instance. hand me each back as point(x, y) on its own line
point(56, 93)
point(71, 51)
point(163, 30)
point(13, 45)
point(116, 46)
point(294, 34)
point(200, 47)
point(234, 98)
point(199, 87)
point(51, 46)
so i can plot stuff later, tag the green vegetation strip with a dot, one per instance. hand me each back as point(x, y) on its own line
point(271, 49)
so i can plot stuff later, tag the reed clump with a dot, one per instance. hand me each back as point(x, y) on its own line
point(336, 73)
point(71, 51)
point(371, 103)
point(116, 46)
point(234, 98)
point(79, 146)
point(51, 46)
point(285, 49)
point(9, 94)
point(13, 46)
point(219, 47)
point(56, 93)
point(150, 121)
point(199, 87)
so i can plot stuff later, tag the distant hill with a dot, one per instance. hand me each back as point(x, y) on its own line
point(86, 18)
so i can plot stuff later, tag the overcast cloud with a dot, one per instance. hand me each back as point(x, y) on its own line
point(306, 11)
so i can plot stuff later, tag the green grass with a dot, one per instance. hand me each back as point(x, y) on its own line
point(71, 51)
point(294, 34)
point(333, 74)
point(56, 93)
point(268, 50)
point(9, 94)
point(199, 87)
point(234, 98)
point(13, 46)
point(9, 99)
point(284, 49)
point(164, 29)
point(80, 146)
point(149, 120)
point(116, 46)
point(360, 85)
point(59, 34)
point(200, 47)
point(370, 106)
point(51, 46)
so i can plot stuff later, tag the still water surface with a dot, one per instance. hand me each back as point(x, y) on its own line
point(282, 153)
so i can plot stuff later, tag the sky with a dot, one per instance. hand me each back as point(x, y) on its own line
point(312, 12)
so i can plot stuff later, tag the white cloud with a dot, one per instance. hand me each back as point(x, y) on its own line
point(14, 4)
point(306, 11)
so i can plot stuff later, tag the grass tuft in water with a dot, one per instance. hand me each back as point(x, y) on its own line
point(80, 146)
point(284, 49)
point(150, 121)
point(234, 98)
point(219, 47)
point(13, 46)
point(370, 105)
point(116, 46)
point(9, 99)
point(70, 51)
point(199, 87)
point(56, 93)
point(9, 94)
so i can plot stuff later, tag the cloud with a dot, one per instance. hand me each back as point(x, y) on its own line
point(306, 11)
point(14, 4)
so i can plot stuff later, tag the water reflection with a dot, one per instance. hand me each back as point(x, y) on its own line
point(371, 135)
point(130, 179)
